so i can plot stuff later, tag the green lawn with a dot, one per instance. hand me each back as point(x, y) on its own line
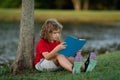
point(64, 15)
point(107, 68)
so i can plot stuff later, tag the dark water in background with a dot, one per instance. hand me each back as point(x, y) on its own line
point(100, 37)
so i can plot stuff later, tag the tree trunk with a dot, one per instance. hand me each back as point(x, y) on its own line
point(25, 50)
point(85, 4)
point(76, 4)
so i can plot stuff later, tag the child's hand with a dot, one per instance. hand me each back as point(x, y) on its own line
point(61, 46)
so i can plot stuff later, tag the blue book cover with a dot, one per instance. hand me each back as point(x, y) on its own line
point(73, 45)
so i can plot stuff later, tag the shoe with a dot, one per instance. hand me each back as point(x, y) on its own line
point(90, 62)
point(78, 62)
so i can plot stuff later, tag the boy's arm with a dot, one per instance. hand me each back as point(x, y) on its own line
point(53, 53)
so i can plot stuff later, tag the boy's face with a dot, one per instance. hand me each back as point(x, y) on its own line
point(55, 36)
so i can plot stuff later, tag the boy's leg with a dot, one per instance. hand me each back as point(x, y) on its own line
point(78, 63)
point(71, 59)
point(64, 62)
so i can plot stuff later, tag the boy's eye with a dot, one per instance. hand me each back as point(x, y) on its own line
point(56, 32)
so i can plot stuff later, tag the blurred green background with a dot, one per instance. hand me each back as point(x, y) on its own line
point(65, 10)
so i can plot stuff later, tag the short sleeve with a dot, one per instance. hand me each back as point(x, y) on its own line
point(41, 47)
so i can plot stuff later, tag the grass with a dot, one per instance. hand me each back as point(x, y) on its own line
point(64, 15)
point(107, 68)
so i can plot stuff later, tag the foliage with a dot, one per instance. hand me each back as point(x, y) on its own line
point(10, 3)
point(4, 69)
point(107, 69)
point(104, 4)
point(64, 4)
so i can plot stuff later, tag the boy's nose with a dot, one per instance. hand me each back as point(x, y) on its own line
point(57, 34)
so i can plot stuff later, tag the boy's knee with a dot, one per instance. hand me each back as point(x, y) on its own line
point(60, 56)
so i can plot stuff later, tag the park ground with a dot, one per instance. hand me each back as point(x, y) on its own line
point(107, 68)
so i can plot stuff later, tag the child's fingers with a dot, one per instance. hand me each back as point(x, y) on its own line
point(63, 43)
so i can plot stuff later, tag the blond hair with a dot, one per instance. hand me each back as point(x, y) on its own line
point(48, 27)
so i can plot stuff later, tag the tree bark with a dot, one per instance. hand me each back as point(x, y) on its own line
point(25, 50)
point(76, 4)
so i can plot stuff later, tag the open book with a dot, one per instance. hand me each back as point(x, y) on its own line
point(73, 45)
